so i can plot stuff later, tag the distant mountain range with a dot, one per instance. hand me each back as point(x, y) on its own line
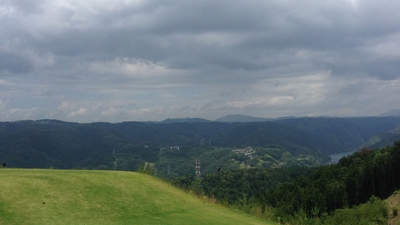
point(247, 119)
point(185, 120)
point(225, 119)
point(383, 139)
point(392, 112)
point(241, 118)
point(58, 144)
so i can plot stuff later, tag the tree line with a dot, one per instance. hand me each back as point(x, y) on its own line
point(318, 191)
point(350, 182)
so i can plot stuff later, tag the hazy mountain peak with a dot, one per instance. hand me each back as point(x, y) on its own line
point(392, 112)
point(185, 120)
point(241, 118)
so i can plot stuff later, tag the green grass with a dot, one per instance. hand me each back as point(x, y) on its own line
point(31, 196)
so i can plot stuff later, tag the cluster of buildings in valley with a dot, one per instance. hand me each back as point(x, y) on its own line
point(249, 152)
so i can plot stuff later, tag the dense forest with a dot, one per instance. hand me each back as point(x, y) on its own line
point(363, 177)
point(173, 146)
point(277, 167)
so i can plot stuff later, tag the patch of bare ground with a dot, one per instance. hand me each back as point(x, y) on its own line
point(393, 207)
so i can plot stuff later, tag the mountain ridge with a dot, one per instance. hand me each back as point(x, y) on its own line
point(392, 112)
point(127, 145)
point(241, 118)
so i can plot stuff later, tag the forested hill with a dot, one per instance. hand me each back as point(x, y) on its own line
point(333, 135)
point(58, 144)
point(329, 194)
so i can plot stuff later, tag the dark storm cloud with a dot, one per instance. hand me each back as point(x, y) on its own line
point(385, 69)
point(241, 35)
point(160, 51)
point(14, 63)
point(351, 89)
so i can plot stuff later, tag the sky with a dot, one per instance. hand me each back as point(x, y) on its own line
point(149, 60)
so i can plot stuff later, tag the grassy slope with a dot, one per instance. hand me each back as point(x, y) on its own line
point(103, 197)
point(393, 201)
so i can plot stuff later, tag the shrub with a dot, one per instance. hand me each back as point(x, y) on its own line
point(374, 211)
point(395, 211)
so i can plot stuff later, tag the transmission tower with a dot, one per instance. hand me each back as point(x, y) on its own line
point(198, 173)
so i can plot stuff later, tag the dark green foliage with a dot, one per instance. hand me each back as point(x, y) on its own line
point(125, 146)
point(173, 162)
point(342, 134)
point(383, 139)
point(301, 195)
point(395, 211)
point(299, 192)
point(241, 187)
point(350, 182)
point(147, 168)
point(373, 212)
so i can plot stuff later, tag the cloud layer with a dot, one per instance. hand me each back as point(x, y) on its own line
point(141, 60)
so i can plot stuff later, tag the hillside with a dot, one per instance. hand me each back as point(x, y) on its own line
point(241, 119)
point(393, 202)
point(350, 190)
point(185, 120)
point(384, 139)
point(334, 135)
point(103, 197)
point(174, 146)
point(392, 112)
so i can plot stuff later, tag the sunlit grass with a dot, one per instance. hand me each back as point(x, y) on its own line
point(103, 197)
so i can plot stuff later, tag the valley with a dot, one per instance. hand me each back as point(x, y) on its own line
point(172, 147)
point(273, 170)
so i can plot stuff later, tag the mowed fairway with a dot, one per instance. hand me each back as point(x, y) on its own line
point(31, 196)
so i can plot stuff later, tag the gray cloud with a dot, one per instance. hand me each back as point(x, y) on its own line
point(351, 89)
point(14, 63)
point(94, 52)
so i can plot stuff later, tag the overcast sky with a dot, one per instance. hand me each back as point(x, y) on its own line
point(142, 60)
